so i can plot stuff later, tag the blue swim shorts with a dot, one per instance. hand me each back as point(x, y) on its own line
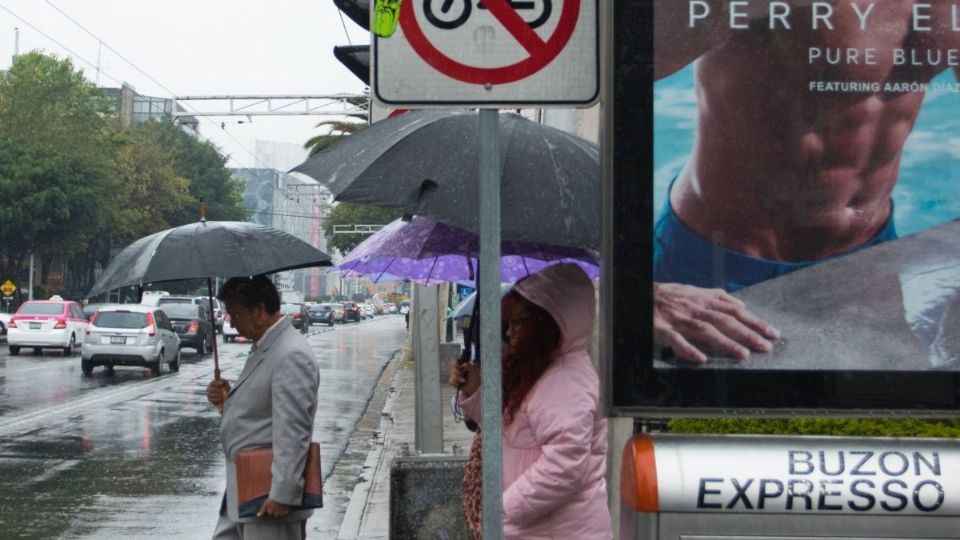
point(682, 256)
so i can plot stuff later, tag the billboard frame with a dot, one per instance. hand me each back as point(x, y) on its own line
point(632, 386)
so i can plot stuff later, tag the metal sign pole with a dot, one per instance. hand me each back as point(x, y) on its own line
point(489, 298)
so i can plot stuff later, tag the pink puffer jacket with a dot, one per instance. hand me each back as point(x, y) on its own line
point(555, 450)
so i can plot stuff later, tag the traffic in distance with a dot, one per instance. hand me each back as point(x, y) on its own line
point(151, 334)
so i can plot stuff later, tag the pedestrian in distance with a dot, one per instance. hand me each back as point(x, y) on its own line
point(272, 403)
point(554, 434)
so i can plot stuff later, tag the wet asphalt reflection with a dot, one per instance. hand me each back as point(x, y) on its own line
point(128, 455)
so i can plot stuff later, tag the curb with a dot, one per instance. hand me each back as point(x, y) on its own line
point(353, 515)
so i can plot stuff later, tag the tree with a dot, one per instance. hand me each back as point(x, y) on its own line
point(354, 214)
point(55, 166)
point(150, 191)
point(202, 164)
point(336, 129)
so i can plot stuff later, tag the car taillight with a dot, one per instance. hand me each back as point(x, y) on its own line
point(194, 327)
point(151, 329)
point(296, 315)
point(228, 317)
point(61, 324)
point(12, 324)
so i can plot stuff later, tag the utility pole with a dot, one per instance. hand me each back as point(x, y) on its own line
point(16, 42)
point(30, 280)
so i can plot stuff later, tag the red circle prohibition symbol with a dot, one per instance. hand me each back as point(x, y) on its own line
point(540, 52)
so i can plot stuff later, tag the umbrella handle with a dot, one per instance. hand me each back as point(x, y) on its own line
point(216, 377)
point(213, 323)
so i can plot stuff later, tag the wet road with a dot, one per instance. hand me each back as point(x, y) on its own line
point(132, 456)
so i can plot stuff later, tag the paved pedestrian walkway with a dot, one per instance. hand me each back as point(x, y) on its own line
point(367, 516)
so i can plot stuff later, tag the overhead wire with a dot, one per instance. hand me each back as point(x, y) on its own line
point(164, 87)
point(61, 45)
point(344, 24)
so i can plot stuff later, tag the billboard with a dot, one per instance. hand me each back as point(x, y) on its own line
point(782, 195)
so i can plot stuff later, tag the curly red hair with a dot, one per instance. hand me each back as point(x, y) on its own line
point(536, 348)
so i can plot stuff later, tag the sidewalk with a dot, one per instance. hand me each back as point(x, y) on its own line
point(367, 515)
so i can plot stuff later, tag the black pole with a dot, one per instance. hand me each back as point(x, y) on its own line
point(213, 325)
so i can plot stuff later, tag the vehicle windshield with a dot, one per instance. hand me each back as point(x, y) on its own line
point(52, 308)
point(121, 319)
point(180, 311)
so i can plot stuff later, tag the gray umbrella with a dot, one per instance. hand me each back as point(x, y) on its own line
point(208, 249)
point(426, 163)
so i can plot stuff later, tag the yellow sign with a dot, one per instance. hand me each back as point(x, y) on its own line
point(8, 288)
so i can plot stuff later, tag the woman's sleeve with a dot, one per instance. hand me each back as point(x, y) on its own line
point(563, 427)
point(471, 406)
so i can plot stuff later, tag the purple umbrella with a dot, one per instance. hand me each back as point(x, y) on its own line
point(429, 252)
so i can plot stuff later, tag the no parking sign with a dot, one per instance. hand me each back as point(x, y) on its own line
point(489, 53)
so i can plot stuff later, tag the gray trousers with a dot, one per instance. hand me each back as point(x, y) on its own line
point(228, 529)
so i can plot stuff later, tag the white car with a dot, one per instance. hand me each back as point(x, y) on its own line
point(229, 332)
point(47, 324)
point(130, 335)
point(4, 321)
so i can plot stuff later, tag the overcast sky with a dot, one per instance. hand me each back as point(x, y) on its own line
point(198, 47)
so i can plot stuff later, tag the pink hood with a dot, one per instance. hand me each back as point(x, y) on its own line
point(555, 450)
point(565, 291)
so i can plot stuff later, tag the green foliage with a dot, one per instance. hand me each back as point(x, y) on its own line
point(354, 214)
point(75, 184)
point(55, 165)
point(41, 292)
point(858, 427)
point(336, 129)
point(151, 192)
point(202, 164)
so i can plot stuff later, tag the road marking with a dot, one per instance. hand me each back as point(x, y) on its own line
point(21, 422)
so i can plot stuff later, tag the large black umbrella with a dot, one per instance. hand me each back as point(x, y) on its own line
point(426, 163)
point(208, 249)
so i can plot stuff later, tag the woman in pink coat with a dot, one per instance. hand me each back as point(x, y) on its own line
point(554, 436)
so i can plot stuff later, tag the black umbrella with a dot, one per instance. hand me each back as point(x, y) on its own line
point(426, 163)
point(208, 249)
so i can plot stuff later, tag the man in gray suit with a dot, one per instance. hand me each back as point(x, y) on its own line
point(272, 403)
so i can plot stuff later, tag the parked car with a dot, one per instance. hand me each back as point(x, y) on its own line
point(368, 310)
point(322, 314)
point(219, 312)
point(47, 324)
point(192, 323)
point(229, 332)
point(351, 312)
point(4, 320)
point(298, 314)
point(338, 312)
point(389, 307)
point(130, 335)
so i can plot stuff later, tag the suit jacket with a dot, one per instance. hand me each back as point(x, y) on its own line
point(273, 403)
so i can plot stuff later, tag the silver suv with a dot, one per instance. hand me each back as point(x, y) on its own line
point(130, 335)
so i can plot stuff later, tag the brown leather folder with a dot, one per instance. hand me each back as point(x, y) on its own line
point(253, 480)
